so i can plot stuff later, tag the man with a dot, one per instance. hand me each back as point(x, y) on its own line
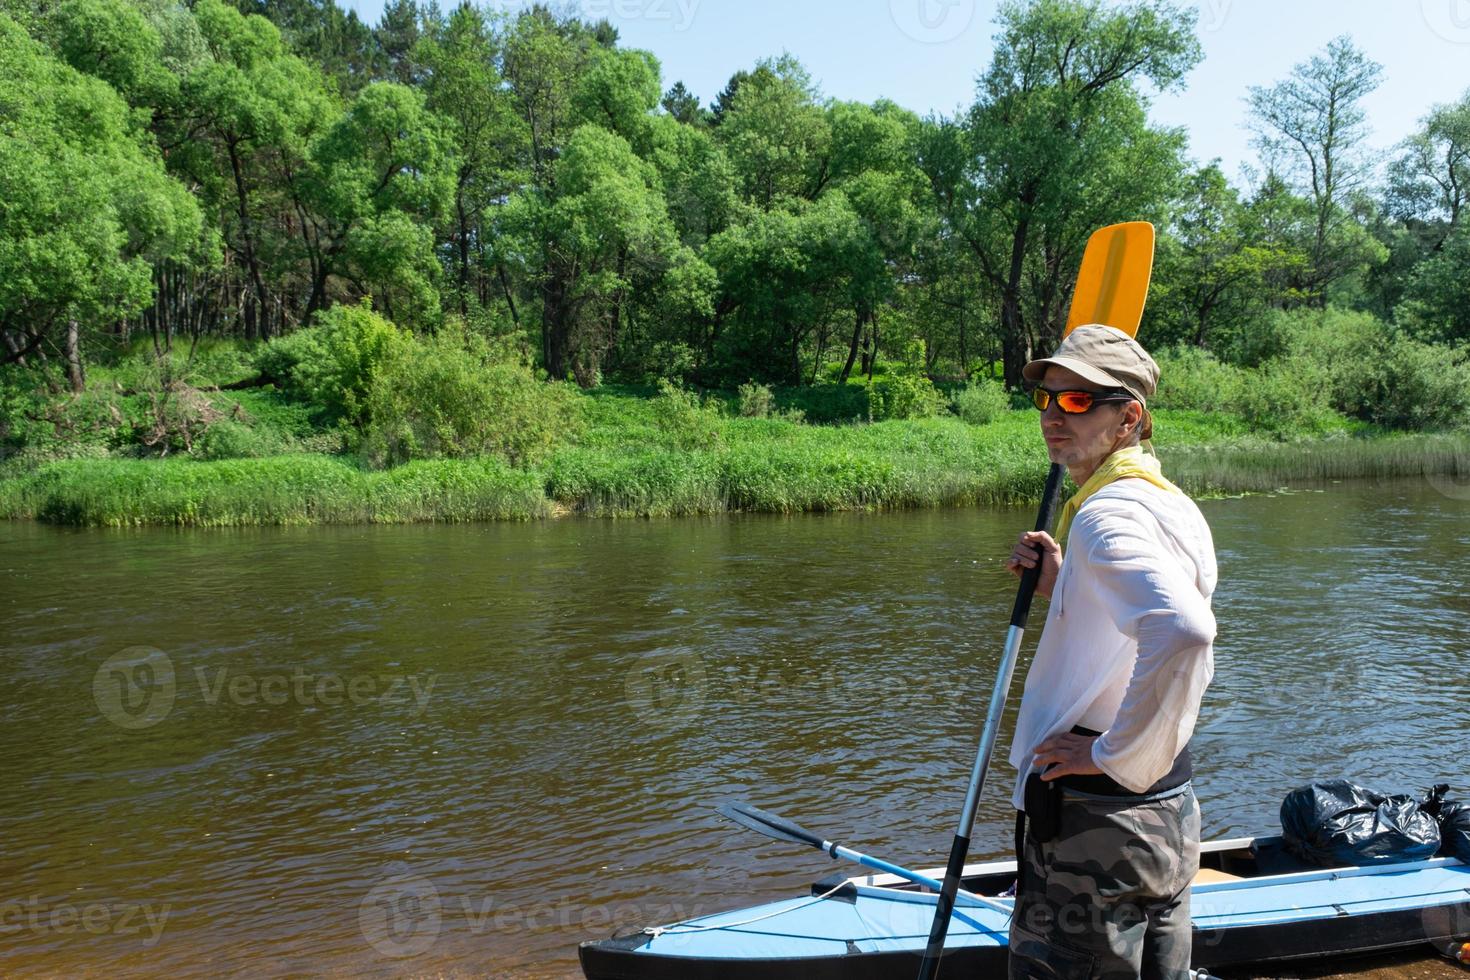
point(1101, 744)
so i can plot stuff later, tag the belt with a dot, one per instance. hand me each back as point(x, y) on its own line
point(1101, 784)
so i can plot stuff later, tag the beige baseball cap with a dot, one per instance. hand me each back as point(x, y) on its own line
point(1105, 356)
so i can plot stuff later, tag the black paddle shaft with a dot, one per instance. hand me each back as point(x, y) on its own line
point(1031, 576)
point(929, 968)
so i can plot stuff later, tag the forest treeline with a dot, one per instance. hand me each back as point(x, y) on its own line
point(197, 170)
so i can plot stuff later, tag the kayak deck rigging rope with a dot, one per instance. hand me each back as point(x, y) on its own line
point(654, 932)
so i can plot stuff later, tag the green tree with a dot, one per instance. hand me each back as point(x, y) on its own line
point(604, 224)
point(331, 38)
point(380, 176)
point(1436, 304)
point(246, 117)
point(783, 274)
point(543, 59)
point(1312, 127)
point(589, 249)
point(395, 38)
point(1425, 203)
point(1056, 144)
point(1429, 180)
point(872, 163)
point(464, 86)
point(776, 134)
point(697, 178)
point(683, 105)
point(1213, 266)
point(114, 41)
point(88, 207)
point(618, 90)
point(726, 98)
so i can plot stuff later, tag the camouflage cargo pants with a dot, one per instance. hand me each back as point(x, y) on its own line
point(1108, 899)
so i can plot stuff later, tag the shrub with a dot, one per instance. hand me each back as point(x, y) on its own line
point(336, 363)
point(31, 418)
point(1263, 338)
point(668, 359)
point(1289, 396)
point(683, 419)
point(756, 401)
point(228, 439)
point(981, 402)
point(1377, 374)
point(277, 360)
point(21, 462)
point(825, 403)
point(215, 362)
point(903, 396)
point(1191, 378)
point(1412, 385)
point(174, 416)
point(459, 396)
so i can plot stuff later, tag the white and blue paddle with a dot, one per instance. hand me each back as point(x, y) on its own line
point(780, 828)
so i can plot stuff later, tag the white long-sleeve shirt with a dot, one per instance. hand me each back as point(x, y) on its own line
point(1127, 647)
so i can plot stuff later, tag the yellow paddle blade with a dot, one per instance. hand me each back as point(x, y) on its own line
point(1112, 284)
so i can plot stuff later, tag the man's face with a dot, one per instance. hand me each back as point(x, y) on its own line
point(1083, 441)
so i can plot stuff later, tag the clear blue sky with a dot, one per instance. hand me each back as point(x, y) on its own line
point(925, 54)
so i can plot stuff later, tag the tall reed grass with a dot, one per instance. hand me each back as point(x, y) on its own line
point(632, 462)
point(277, 490)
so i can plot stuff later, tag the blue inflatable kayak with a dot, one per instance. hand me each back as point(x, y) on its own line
point(1252, 904)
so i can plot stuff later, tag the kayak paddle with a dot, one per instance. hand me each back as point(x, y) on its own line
point(780, 828)
point(1112, 285)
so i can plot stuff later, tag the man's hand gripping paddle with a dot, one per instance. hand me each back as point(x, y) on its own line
point(1112, 285)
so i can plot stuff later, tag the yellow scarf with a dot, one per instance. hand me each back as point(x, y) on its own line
point(1125, 464)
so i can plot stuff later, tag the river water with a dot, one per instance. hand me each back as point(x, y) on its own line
point(461, 750)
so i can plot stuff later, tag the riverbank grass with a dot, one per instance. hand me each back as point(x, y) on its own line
point(657, 457)
point(301, 489)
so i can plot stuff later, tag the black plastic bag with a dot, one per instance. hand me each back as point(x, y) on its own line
point(1454, 830)
point(1454, 822)
point(1338, 824)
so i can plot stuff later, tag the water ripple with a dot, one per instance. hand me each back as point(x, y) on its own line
point(588, 692)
